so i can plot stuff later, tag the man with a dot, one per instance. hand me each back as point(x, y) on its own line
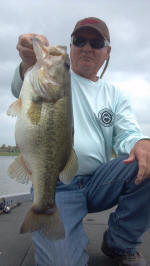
point(103, 120)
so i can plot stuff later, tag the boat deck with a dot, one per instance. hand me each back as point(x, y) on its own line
point(17, 250)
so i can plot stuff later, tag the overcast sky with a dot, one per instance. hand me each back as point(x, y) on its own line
point(128, 21)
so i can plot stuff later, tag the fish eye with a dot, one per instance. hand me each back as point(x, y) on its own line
point(37, 99)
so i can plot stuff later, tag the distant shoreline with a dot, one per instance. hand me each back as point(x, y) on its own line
point(9, 153)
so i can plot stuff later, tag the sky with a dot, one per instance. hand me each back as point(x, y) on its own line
point(128, 22)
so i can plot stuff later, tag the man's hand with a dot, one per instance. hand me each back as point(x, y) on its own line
point(141, 152)
point(25, 48)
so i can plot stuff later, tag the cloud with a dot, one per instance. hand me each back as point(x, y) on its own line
point(6, 74)
point(138, 92)
point(7, 123)
point(7, 130)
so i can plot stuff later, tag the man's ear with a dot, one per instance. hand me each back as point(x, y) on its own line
point(108, 51)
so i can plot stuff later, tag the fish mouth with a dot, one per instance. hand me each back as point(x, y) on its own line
point(43, 50)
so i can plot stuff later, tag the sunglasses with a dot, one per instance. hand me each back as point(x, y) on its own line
point(94, 43)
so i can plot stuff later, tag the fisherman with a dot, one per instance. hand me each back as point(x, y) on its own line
point(103, 119)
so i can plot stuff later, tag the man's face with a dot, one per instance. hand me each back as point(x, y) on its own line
point(86, 61)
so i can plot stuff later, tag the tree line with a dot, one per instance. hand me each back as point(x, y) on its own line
point(9, 148)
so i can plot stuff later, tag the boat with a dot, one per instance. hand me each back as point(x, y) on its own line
point(17, 249)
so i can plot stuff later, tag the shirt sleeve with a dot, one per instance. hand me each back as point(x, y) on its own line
point(16, 83)
point(126, 129)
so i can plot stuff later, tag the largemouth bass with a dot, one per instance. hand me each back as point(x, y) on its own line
point(44, 135)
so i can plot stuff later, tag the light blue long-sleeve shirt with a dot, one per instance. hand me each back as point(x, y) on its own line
point(103, 120)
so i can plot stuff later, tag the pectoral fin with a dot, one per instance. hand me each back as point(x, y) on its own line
point(19, 171)
point(34, 112)
point(67, 174)
point(15, 108)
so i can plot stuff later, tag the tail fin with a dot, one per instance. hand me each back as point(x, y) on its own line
point(49, 224)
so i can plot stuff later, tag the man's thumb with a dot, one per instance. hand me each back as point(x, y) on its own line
point(131, 158)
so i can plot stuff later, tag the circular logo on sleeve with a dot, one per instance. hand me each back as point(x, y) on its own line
point(106, 117)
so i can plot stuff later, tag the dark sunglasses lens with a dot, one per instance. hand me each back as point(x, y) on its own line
point(97, 43)
point(79, 41)
point(94, 43)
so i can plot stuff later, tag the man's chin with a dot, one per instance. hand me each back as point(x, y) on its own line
point(86, 64)
point(86, 67)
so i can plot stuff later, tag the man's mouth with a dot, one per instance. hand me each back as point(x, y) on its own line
point(86, 58)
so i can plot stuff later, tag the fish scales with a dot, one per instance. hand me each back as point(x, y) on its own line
point(52, 147)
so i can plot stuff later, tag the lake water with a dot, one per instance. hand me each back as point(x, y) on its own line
point(7, 184)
